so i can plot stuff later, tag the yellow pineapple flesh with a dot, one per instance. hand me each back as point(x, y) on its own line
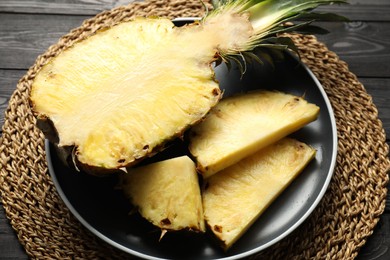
point(120, 94)
point(241, 125)
point(117, 97)
point(167, 194)
point(235, 197)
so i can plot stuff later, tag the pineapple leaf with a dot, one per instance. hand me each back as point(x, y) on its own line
point(312, 29)
point(250, 56)
point(239, 59)
point(206, 12)
point(284, 41)
point(276, 54)
point(323, 17)
point(265, 56)
point(267, 16)
point(288, 28)
point(267, 13)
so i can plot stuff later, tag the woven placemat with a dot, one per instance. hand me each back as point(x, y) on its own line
point(337, 229)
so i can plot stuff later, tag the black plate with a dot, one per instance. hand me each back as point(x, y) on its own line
point(103, 210)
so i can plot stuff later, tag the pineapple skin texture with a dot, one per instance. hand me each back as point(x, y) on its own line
point(241, 125)
point(167, 194)
point(235, 198)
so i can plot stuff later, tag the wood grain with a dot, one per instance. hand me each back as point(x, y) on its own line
point(378, 88)
point(24, 37)
point(75, 7)
point(363, 45)
point(29, 27)
point(10, 248)
point(8, 81)
point(374, 10)
point(377, 247)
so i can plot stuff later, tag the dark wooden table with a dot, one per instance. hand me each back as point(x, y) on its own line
point(29, 27)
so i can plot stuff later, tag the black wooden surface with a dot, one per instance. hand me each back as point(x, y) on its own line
point(29, 27)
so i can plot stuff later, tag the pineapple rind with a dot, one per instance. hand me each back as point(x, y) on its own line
point(235, 198)
point(167, 194)
point(241, 125)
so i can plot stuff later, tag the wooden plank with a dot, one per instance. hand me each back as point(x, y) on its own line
point(74, 7)
point(361, 10)
point(8, 81)
point(354, 10)
point(387, 208)
point(360, 45)
point(379, 89)
point(10, 247)
point(24, 37)
point(377, 246)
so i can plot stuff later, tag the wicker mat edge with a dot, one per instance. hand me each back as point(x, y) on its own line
point(338, 227)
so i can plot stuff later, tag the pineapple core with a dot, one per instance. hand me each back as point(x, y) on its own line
point(235, 197)
point(167, 194)
point(241, 125)
point(120, 94)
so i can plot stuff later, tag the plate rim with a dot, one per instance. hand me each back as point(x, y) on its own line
point(251, 252)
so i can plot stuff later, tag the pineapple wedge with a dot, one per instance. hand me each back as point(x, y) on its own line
point(167, 194)
point(241, 125)
point(120, 94)
point(234, 198)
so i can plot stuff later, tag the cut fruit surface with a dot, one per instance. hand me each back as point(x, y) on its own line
point(120, 94)
point(235, 197)
point(118, 104)
point(241, 125)
point(167, 194)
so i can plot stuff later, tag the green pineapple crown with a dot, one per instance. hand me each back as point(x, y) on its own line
point(269, 18)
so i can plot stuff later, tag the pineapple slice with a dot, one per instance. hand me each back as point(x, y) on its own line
point(120, 94)
point(234, 198)
point(167, 194)
point(241, 125)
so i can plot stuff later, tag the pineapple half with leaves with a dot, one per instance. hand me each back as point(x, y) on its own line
point(234, 198)
point(243, 124)
point(167, 194)
point(120, 94)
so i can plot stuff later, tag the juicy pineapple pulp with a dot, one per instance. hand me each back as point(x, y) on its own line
point(121, 93)
point(241, 125)
point(235, 197)
point(167, 194)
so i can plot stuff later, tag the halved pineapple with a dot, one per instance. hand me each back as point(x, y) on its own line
point(235, 197)
point(167, 194)
point(117, 96)
point(120, 94)
point(241, 125)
